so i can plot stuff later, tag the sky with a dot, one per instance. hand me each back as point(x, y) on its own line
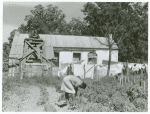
point(15, 12)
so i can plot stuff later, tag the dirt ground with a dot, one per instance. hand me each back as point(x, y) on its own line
point(25, 98)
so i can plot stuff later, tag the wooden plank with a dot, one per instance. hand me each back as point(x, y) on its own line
point(34, 39)
point(25, 47)
point(34, 49)
point(25, 50)
point(27, 55)
point(12, 69)
point(23, 72)
point(41, 44)
point(11, 64)
point(122, 77)
point(36, 64)
point(40, 54)
point(35, 42)
point(144, 85)
point(10, 73)
point(88, 70)
point(20, 70)
point(125, 80)
point(38, 44)
point(84, 73)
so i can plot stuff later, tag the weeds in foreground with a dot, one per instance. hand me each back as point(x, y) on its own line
point(108, 95)
point(44, 100)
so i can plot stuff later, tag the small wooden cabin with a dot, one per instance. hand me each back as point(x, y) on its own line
point(62, 48)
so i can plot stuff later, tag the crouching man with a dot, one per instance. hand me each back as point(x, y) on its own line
point(70, 85)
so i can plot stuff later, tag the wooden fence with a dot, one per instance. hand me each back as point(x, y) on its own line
point(131, 79)
point(124, 79)
point(28, 69)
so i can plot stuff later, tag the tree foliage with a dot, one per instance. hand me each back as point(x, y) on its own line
point(127, 22)
point(76, 27)
point(49, 20)
point(46, 21)
point(6, 50)
point(12, 34)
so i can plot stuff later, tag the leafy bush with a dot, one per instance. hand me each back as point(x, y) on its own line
point(117, 102)
point(140, 103)
point(9, 83)
point(135, 92)
point(111, 96)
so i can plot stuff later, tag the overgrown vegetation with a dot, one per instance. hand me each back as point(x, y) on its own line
point(106, 95)
point(13, 85)
point(44, 100)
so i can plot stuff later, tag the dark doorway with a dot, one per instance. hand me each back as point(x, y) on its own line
point(56, 62)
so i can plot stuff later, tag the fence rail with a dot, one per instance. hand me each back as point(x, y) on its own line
point(124, 79)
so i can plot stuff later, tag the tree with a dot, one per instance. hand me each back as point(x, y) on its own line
point(45, 21)
point(76, 27)
point(140, 31)
point(12, 34)
point(106, 19)
point(124, 21)
point(51, 21)
point(137, 38)
point(6, 50)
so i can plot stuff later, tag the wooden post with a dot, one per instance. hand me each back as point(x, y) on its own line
point(125, 80)
point(12, 68)
point(70, 70)
point(31, 70)
point(41, 70)
point(127, 72)
point(140, 83)
point(122, 77)
point(144, 85)
point(84, 72)
point(51, 68)
point(142, 72)
point(120, 80)
point(20, 71)
point(16, 66)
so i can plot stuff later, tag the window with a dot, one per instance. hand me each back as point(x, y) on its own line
point(76, 57)
point(92, 58)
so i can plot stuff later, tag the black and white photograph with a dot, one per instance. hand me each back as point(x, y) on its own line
point(74, 56)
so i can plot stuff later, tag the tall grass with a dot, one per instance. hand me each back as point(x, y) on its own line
point(109, 95)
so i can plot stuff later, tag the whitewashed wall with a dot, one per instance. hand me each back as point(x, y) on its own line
point(104, 55)
point(67, 56)
point(84, 56)
point(114, 55)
